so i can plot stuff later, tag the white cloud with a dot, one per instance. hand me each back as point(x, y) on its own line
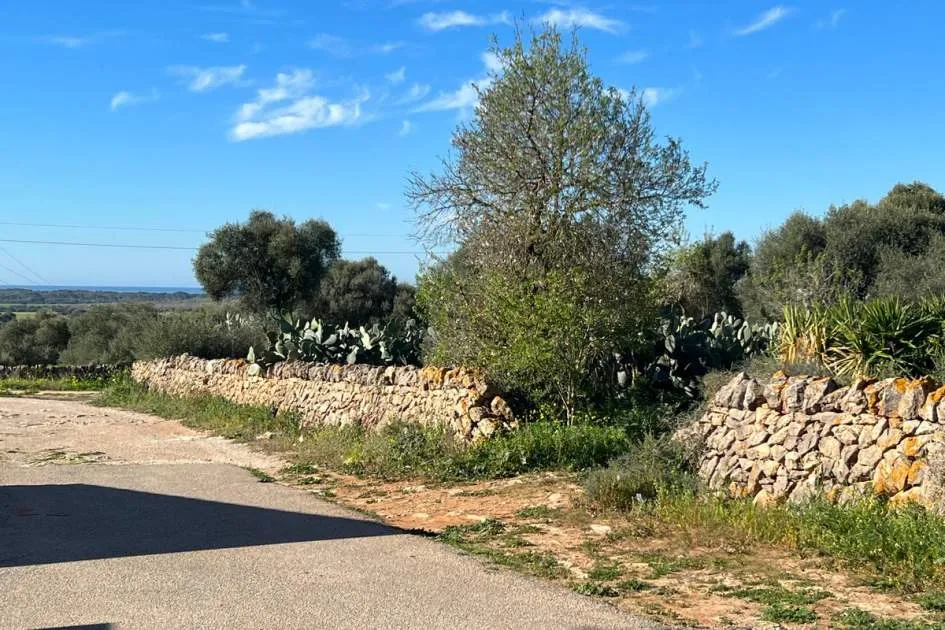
point(302, 111)
point(416, 92)
point(331, 44)
point(216, 38)
point(387, 47)
point(78, 41)
point(383, 206)
point(453, 19)
point(466, 97)
point(633, 56)
point(406, 128)
point(398, 76)
point(492, 62)
point(341, 47)
point(206, 79)
point(125, 99)
point(833, 21)
point(695, 40)
point(581, 18)
point(766, 20)
point(653, 96)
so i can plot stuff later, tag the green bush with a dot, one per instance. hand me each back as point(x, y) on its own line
point(208, 333)
point(35, 340)
point(650, 469)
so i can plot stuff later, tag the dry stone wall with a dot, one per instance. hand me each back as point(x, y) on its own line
point(796, 437)
point(369, 396)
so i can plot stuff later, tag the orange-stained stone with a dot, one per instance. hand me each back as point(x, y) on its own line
point(916, 472)
point(910, 447)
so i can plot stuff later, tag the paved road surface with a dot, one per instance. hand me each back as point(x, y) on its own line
point(110, 519)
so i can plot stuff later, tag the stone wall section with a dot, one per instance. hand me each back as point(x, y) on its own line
point(341, 395)
point(796, 437)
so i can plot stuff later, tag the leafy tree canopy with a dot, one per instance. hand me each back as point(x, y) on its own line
point(271, 264)
point(562, 201)
point(702, 276)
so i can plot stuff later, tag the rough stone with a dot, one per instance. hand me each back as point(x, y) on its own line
point(814, 393)
point(341, 395)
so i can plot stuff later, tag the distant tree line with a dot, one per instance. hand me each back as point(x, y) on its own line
point(894, 248)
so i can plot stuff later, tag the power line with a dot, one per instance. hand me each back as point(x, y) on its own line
point(41, 279)
point(129, 228)
point(177, 248)
point(17, 273)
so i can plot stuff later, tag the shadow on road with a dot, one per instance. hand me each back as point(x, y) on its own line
point(42, 524)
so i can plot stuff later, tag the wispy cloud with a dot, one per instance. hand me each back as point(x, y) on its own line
point(454, 19)
point(766, 20)
point(216, 38)
point(288, 107)
point(125, 99)
point(695, 40)
point(244, 7)
point(387, 47)
point(416, 92)
point(397, 76)
point(774, 74)
point(633, 56)
point(832, 21)
point(406, 128)
point(331, 44)
point(78, 41)
point(466, 97)
point(342, 47)
point(206, 79)
point(654, 96)
point(571, 18)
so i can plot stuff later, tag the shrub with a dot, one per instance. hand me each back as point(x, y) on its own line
point(208, 333)
point(650, 469)
point(33, 341)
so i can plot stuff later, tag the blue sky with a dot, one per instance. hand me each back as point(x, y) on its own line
point(185, 114)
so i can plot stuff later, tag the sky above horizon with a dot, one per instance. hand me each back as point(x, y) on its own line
point(180, 115)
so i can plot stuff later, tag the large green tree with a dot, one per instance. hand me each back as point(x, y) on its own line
point(702, 277)
point(271, 264)
point(562, 201)
point(358, 292)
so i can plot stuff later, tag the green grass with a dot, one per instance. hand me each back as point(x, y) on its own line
point(261, 475)
point(858, 619)
point(900, 549)
point(595, 589)
point(399, 451)
point(605, 571)
point(493, 541)
point(781, 613)
point(32, 385)
point(779, 595)
point(633, 585)
point(932, 600)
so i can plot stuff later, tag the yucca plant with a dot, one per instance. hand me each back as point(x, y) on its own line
point(881, 337)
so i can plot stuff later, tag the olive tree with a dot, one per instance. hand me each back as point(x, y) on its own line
point(271, 264)
point(562, 201)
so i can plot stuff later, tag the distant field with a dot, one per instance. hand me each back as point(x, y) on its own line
point(18, 314)
point(25, 302)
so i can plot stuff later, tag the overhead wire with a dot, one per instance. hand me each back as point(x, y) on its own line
point(175, 247)
point(41, 279)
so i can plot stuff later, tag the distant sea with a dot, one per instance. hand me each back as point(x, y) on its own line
point(193, 290)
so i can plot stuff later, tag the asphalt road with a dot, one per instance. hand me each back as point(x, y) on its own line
point(128, 536)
